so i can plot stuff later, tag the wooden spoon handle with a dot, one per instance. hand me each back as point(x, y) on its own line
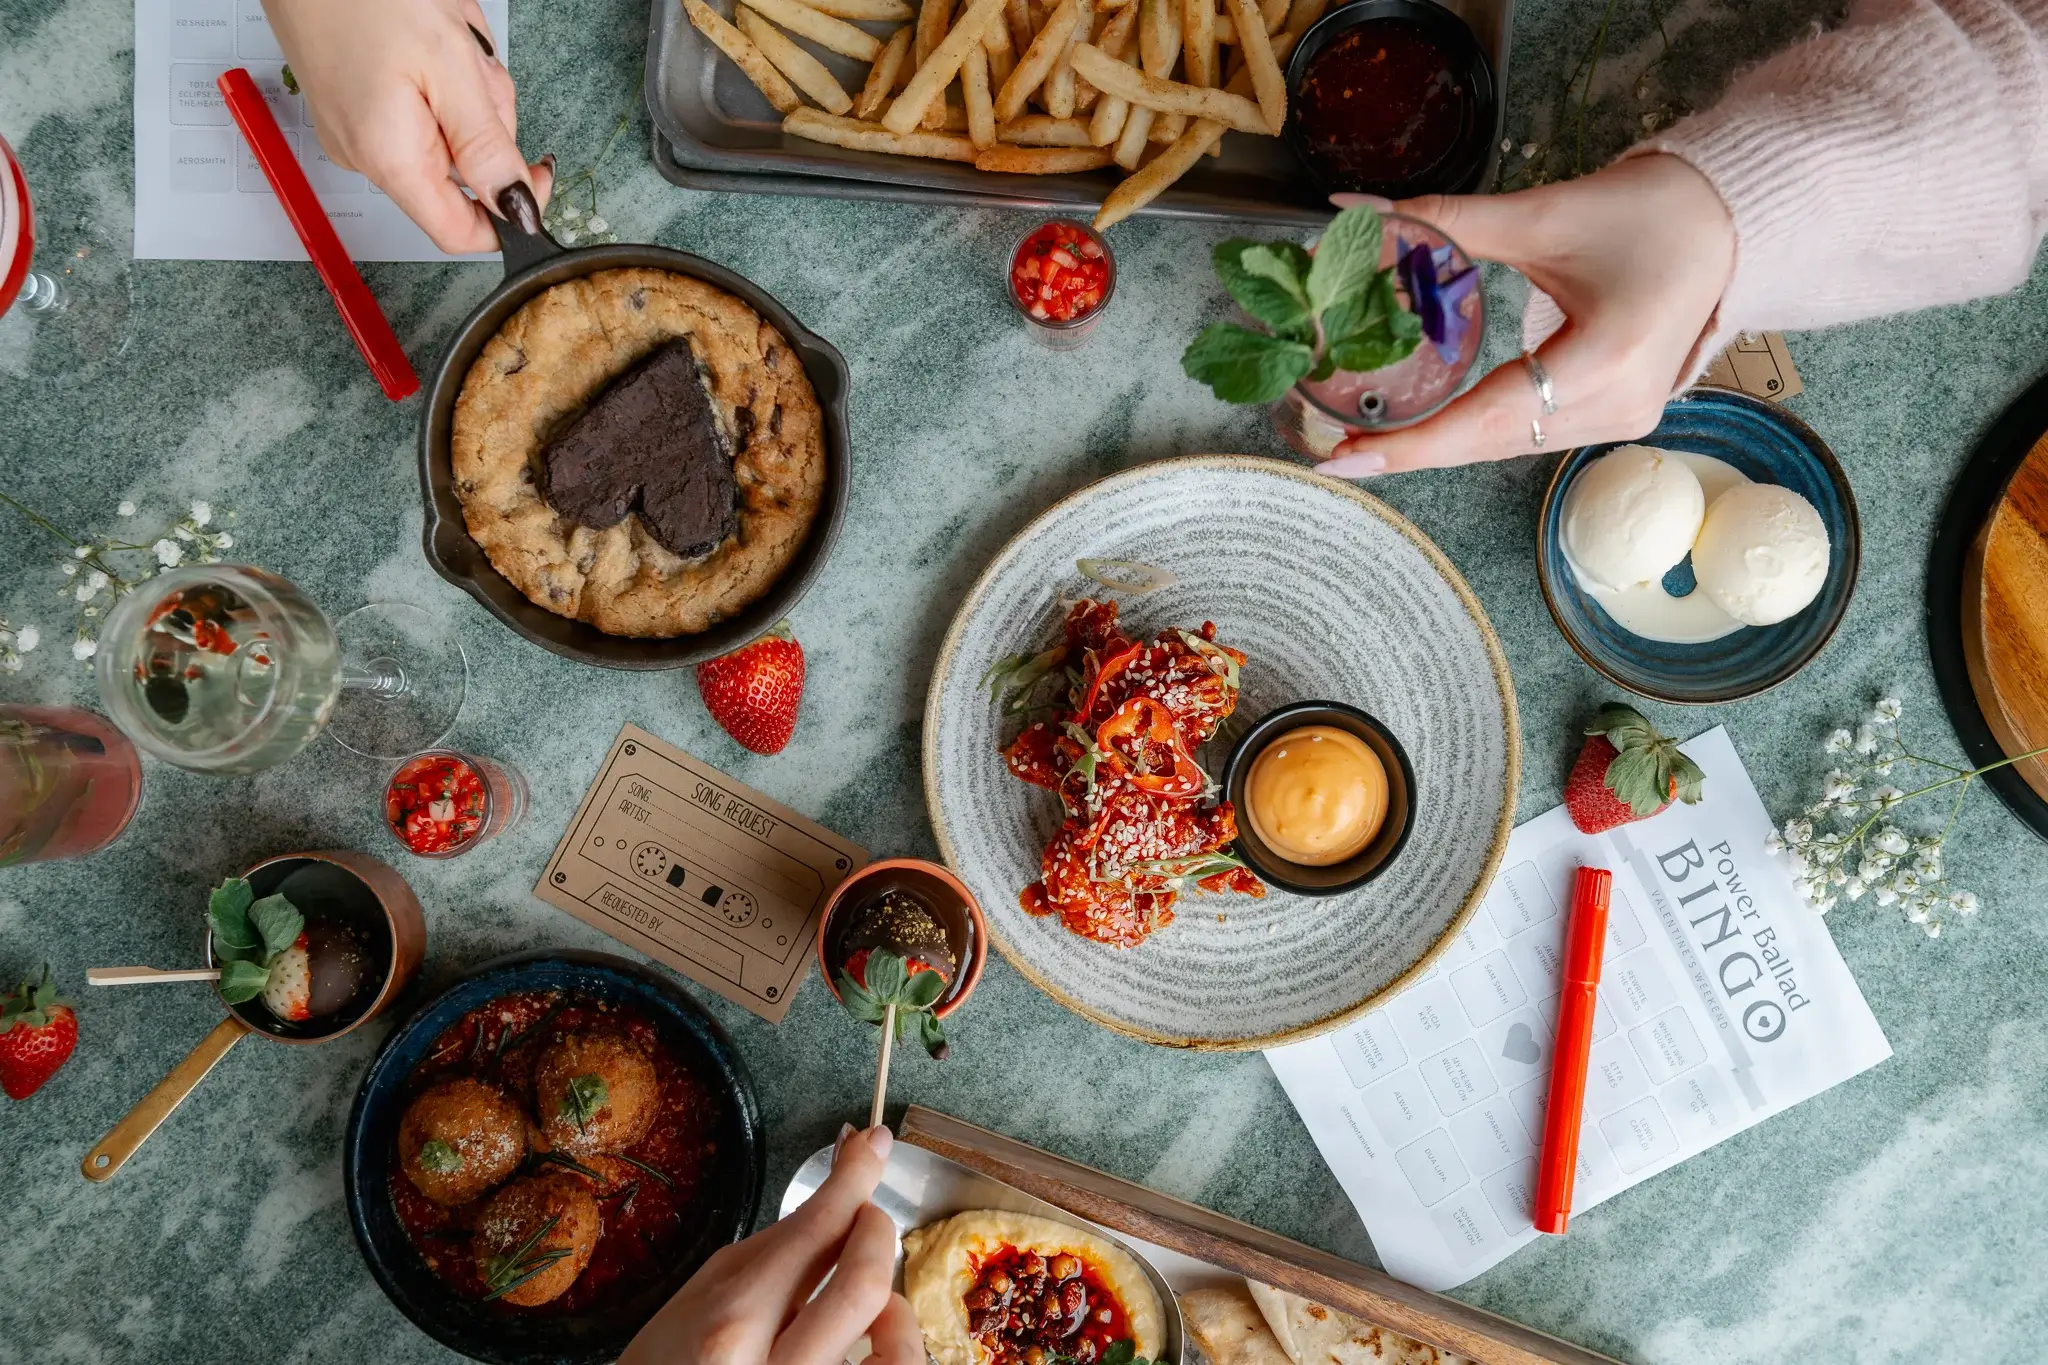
point(147, 976)
point(132, 1131)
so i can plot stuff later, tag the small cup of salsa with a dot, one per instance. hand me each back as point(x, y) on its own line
point(1391, 97)
point(440, 803)
point(1060, 278)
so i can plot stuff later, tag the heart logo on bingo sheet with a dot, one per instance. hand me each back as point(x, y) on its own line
point(1521, 1046)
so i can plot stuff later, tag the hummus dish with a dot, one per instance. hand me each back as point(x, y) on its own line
point(997, 1288)
point(640, 451)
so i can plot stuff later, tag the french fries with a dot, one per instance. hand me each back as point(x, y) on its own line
point(1041, 160)
point(1002, 54)
point(747, 57)
point(981, 109)
point(881, 75)
point(1147, 183)
point(1043, 130)
point(936, 72)
point(931, 26)
point(805, 72)
point(1198, 40)
point(887, 11)
point(835, 35)
point(1059, 93)
point(1173, 97)
point(1037, 61)
point(1303, 14)
point(1137, 131)
point(1140, 87)
point(1267, 82)
point(873, 137)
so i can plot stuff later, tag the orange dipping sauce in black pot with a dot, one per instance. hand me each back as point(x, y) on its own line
point(1391, 103)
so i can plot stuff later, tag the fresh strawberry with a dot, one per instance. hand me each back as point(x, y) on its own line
point(37, 1033)
point(754, 691)
point(288, 993)
point(1627, 771)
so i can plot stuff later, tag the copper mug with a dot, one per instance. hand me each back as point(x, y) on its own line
point(396, 915)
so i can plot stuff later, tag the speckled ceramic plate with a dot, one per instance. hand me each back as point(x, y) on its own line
point(1333, 596)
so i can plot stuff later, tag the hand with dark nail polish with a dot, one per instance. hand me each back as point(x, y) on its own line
point(411, 93)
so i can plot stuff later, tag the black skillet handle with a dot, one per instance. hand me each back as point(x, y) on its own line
point(520, 233)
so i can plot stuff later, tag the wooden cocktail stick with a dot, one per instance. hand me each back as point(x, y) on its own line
point(882, 1070)
point(147, 976)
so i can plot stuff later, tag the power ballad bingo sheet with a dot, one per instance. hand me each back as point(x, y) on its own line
point(1722, 1001)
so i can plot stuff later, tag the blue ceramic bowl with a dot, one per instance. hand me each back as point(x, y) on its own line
point(724, 1210)
point(1769, 445)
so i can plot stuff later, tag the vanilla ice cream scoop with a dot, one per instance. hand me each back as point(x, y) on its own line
point(1631, 515)
point(1762, 553)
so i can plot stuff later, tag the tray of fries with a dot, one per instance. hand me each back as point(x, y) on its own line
point(991, 102)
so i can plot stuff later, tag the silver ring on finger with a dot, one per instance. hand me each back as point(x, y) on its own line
point(1536, 435)
point(1540, 377)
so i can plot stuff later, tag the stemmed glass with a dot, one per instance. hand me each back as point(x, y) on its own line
point(223, 668)
point(58, 319)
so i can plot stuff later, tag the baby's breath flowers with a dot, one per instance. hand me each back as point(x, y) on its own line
point(568, 220)
point(1848, 844)
point(99, 571)
point(16, 641)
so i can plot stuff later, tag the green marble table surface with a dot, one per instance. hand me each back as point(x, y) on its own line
point(1901, 1216)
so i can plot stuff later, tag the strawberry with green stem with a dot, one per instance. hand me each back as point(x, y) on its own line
point(877, 986)
point(1627, 770)
point(261, 947)
point(38, 1033)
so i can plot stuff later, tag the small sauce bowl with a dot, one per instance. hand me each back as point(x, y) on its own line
point(947, 897)
point(1370, 861)
point(1415, 30)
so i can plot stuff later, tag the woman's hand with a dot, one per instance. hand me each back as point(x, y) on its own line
point(751, 1303)
point(1636, 256)
point(407, 91)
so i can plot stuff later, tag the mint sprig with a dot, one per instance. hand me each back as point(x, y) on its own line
point(891, 982)
point(1334, 310)
point(249, 935)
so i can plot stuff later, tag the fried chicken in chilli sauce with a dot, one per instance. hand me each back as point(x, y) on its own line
point(1140, 822)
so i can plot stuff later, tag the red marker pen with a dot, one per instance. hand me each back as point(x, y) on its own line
point(1585, 939)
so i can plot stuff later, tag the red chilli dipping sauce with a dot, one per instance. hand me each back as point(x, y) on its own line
point(1382, 106)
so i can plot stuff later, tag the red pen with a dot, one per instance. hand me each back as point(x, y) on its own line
point(1585, 940)
point(359, 310)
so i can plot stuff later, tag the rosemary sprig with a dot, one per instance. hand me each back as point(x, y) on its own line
point(563, 1159)
point(506, 1045)
point(654, 1171)
point(503, 1274)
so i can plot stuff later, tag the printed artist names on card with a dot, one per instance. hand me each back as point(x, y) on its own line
point(700, 871)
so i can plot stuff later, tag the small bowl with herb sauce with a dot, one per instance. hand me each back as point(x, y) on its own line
point(1391, 97)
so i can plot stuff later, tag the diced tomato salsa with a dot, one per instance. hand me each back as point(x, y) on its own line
point(435, 803)
point(1060, 273)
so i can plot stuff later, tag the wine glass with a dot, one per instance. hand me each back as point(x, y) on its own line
point(65, 314)
point(1315, 415)
point(69, 783)
point(224, 668)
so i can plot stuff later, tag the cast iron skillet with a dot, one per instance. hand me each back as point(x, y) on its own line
point(534, 261)
point(727, 1199)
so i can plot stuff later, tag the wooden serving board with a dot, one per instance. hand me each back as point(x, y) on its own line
point(1241, 1248)
point(2005, 616)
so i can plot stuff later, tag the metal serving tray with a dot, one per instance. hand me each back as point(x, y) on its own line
point(714, 131)
point(920, 1187)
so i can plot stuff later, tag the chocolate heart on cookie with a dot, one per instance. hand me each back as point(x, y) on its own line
point(649, 445)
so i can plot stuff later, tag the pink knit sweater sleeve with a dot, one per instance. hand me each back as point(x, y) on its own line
point(1897, 162)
